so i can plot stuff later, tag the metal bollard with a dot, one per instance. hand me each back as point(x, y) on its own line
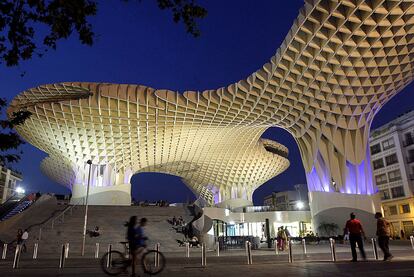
point(276, 247)
point(109, 258)
point(187, 249)
point(40, 234)
point(412, 242)
point(304, 246)
point(17, 256)
point(97, 250)
point(333, 251)
point(157, 255)
point(4, 254)
point(62, 256)
point(203, 255)
point(218, 249)
point(248, 246)
point(66, 250)
point(374, 248)
point(35, 247)
point(290, 254)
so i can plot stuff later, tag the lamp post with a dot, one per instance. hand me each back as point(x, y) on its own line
point(89, 162)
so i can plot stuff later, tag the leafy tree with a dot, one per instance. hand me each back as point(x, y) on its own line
point(9, 139)
point(24, 24)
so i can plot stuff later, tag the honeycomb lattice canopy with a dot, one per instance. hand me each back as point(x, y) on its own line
point(340, 62)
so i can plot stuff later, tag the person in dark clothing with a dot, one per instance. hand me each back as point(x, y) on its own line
point(136, 239)
point(19, 238)
point(356, 233)
point(383, 233)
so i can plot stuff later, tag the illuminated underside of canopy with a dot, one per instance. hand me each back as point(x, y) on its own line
point(340, 62)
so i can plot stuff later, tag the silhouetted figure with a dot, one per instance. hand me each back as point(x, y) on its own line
point(383, 233)
point(356, 233)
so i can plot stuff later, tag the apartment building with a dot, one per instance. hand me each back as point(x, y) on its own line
point(392, 157)
point(8, 183)
point(289, 200)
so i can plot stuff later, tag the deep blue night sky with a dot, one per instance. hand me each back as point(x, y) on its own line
point(138, 44)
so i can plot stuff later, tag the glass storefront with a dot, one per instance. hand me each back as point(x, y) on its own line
point(257, 229)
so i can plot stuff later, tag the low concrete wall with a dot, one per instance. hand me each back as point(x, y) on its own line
point(334, 207)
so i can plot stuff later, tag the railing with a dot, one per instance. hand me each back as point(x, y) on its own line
point(62, 214)
point(53, 219)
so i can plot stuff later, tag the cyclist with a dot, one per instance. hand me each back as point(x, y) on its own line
point(136, 239)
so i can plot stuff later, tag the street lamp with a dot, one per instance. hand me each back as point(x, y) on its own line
point(89, 162)
point(20, 190)
point(300, 205)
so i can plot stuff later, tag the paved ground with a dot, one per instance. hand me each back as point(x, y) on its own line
point(233, 263)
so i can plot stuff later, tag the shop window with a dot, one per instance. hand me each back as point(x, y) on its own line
point(378, 163)
point(391, 159)
point(394, 175)
point(408, 227)
point(397, 192)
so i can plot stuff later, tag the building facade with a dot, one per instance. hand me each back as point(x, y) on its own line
point(8, 183)
point(392, 154)
point(289, 200)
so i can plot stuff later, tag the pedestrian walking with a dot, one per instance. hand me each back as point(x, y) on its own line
point(356, 233)
point(383, 233)
point(25, 236)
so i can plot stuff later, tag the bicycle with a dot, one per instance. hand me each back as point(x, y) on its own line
point(114, 262)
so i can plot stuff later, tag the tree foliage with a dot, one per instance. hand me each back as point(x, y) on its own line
point(9, 139)
point(29, 27)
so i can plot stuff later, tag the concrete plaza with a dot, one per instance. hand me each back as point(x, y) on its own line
point(317, 262)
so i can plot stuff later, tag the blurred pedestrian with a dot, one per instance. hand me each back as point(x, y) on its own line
point(383, 233)
point(25, 237)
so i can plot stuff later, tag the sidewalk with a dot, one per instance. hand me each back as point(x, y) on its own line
point(233, 264)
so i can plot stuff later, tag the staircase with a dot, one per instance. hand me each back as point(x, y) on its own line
point(19, 207)
point(111, 220)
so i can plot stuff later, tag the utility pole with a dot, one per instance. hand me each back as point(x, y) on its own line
point(89, 162)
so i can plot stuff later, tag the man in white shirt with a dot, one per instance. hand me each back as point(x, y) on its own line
point(25, 236)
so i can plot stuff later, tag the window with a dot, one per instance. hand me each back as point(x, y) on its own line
point(405, 208)
point(387, 144)
point(375, 149)
point(391, 159)
point(378, 163)
point(397, 192)
point(394, 175)
point(392, 210)
point(408, 139)
point(280, 199)
point(385, 194)
point(381, 179)
point(408, 227)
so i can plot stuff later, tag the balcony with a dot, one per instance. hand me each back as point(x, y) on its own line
point(411, 176)
point(408, 142)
